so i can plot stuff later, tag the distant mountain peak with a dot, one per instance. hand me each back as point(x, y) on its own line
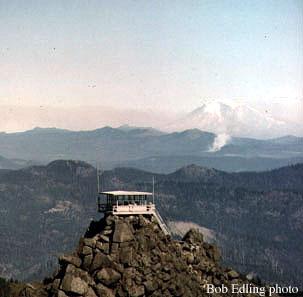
point(127, 127)
point(46, 130)
point(215, 107)
point(67, 170)
point(193, 171)
point(68, 163)
point(195, 133)
point(233, 119)
point(140, 130)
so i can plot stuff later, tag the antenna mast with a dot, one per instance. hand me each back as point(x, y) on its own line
point(153, 190)
point(98, 178)
point(98, 183)
point(98, 187)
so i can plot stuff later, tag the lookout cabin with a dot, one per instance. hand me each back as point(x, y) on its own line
point(126, 202)
point(130, 203)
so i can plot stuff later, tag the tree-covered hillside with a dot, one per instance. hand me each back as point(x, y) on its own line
point(256, 218)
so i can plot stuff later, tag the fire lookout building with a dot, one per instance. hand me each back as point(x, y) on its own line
point(130, 203)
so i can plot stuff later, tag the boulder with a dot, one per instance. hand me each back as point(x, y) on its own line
point(126, 255)
point(56, 284)
point(70, 268)
point(215, 253)
point(151, 285)
point(70, 259)
point(108, 276)
point(87, 250)
point(90, 293)
point(91, 242)
point(135, 290)
point(77, 272)
point(103, 247)
point(101, 260)
point(190, 258)
point(74, 285)
point(103, 291)
point(29, 291)
point(122, 232)
point(99, 245)
point(61, 294)
point(104, 238)
point(87, 261)
point(193, 236)
point(232, 274)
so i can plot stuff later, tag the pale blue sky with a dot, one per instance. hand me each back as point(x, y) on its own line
point(150, 54)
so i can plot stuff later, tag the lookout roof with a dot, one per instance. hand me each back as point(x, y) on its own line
point(127, 193)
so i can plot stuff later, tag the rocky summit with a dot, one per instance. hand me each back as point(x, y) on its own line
point(131, 256)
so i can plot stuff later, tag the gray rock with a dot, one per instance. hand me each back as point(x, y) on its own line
point(103, 246)
point(91, 242)
point(76, 272)
point(70, 268)
point(61, 294)
point(90, 293)
point(30, 291)
point(166, 276)
point(190, 258)
point(74, 285)
point(232, 274)
point(99, 245)
point(104, 238)
point(103, 291)
point(135, 290)
point(87, 261)
point(70, 259)
point(122, 232)
point(193, 236)
point(108, 276)
point(126, 255)
point(87, 250)
point(151, 285)
point(143, 221)
point(56, 284)
point(101, 260)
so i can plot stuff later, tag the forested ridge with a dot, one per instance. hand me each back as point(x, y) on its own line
point(257, 218)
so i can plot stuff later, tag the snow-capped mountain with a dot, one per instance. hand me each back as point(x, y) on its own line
point(236, 120)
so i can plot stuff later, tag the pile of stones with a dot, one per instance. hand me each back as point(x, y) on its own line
point(131, 256)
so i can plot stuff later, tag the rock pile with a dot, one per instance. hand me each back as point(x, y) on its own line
point(131, 256)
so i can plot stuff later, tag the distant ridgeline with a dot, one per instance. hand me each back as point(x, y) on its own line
point(255, 218)
point(148, 149)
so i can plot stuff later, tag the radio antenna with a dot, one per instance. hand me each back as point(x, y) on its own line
point(98, 178)
point(153, 190)
point(98, 186)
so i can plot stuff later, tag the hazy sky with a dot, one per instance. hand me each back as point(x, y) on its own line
point(169, 55)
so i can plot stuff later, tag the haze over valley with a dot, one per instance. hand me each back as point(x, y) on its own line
point(228, 117)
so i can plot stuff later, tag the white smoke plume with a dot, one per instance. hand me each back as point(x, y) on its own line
point(219, 141)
